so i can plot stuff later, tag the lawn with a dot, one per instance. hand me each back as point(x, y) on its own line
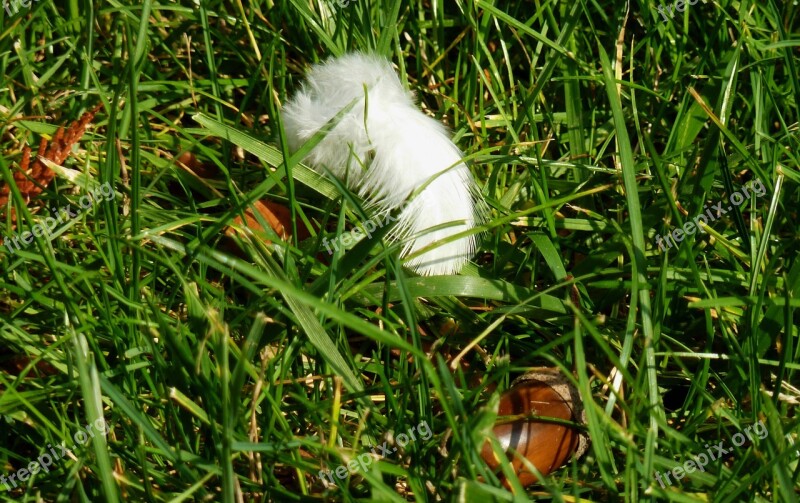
point(639, 164)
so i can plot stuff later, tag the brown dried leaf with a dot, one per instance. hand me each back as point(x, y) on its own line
point(33, 177)
point(277, 216)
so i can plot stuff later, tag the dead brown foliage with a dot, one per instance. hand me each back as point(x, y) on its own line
point(33, 177)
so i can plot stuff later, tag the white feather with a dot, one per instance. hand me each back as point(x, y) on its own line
point(388, 155)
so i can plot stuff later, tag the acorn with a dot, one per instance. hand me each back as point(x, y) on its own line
point(545, 393)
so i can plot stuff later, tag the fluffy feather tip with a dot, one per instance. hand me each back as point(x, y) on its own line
point(384, 148)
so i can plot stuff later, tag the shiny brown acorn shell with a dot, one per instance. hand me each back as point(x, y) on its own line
point(544, 392)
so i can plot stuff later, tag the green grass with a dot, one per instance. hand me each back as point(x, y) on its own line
point(222, 377)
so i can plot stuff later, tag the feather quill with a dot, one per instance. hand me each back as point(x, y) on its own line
point(385, 149)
